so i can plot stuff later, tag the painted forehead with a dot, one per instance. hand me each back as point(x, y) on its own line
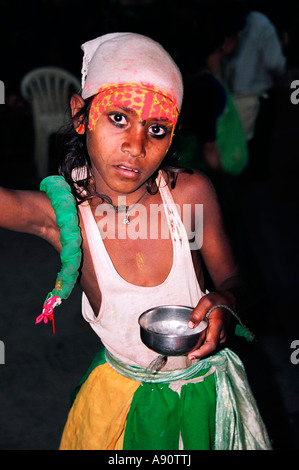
point(147, 103)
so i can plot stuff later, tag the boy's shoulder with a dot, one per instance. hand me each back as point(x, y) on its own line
point(193, 188)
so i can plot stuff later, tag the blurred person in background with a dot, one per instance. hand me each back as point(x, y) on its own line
point(251, 73)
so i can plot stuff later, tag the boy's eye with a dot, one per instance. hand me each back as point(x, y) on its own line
point(157, 131)
point(118, 118)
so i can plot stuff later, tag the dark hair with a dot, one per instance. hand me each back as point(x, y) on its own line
point(74, 154)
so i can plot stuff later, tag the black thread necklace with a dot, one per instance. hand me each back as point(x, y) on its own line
point(122, 207)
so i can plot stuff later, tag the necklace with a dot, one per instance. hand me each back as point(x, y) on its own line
point(126, 209)
point(121, 208)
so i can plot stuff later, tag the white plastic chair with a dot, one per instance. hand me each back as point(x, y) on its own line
point(48, 89)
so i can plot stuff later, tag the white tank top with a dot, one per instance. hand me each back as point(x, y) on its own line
point(122, 302)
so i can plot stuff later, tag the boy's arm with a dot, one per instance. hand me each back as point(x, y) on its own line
point(217, 253)
point(215, 244)
point(30, 212)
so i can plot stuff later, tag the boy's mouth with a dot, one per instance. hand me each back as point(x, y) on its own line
point(128, 169)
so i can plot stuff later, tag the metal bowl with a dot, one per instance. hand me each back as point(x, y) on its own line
point(165, 330)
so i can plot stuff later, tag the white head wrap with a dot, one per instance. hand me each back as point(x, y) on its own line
point(119, 58)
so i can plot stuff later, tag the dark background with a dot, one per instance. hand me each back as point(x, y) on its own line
point(40, 369)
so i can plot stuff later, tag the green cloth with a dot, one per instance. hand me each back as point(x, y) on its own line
point(219, 413)
point(159, 417)
point(230, 139)
point(65, 207)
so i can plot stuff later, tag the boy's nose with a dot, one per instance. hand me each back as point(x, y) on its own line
point(134, 143)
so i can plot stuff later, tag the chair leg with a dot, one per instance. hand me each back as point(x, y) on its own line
point(41, 153)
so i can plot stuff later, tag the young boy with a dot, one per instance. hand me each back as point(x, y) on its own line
point(117, 160)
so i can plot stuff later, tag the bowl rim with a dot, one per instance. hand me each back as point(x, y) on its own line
point(167, 334)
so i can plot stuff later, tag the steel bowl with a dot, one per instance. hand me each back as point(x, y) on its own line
point(165, 330)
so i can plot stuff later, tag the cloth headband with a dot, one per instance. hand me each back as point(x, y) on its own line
point(147, 103)
point(119, 58)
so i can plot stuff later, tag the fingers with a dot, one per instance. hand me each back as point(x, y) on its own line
point(213, 338)
point(200, 311)
point(207, 348)
point(216, 332)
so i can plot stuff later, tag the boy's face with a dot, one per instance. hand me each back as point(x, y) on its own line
point(125, 151)
point(129, 133)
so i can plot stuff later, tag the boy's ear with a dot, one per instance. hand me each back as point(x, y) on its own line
point(76, 104)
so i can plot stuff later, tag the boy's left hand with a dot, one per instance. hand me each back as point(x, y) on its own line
point(218, 321)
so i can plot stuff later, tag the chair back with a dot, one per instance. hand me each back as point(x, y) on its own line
point(49, 89)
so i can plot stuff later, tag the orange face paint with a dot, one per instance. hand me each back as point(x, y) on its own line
point(148, 103)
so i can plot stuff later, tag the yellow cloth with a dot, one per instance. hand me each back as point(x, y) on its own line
point(97, 419)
